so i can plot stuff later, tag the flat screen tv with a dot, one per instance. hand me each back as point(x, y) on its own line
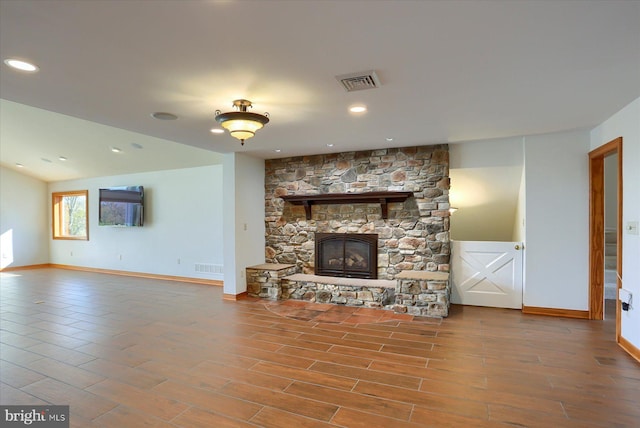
point(121, 206)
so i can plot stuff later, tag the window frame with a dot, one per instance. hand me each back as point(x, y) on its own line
point(57, 215)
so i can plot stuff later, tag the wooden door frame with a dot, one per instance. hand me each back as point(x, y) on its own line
point(596, 229)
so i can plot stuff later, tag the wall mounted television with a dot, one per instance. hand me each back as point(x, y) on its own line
point(121, 206)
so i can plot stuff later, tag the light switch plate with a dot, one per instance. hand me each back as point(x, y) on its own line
point(624, 295)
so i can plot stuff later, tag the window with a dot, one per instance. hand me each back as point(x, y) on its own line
point(71, 215)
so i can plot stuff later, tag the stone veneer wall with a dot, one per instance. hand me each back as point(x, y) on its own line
point(414, 237)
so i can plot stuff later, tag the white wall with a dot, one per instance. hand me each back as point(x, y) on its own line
point(557, 221)
point(485, 185)
point(182, 228)
point(24, 217)
point(626, 123)
point(244, 228)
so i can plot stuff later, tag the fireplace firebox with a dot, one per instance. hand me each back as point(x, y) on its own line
point(349, 255)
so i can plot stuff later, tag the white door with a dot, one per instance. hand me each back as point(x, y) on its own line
point(486, 273)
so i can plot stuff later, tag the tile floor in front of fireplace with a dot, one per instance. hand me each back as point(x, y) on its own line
point(327, 312)
point(134, 352)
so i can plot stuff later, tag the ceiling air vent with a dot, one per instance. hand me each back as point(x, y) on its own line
point(359, 81)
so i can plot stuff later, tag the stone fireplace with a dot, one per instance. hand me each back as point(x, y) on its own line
point(347, 255)
point(412, 234)
point(320, 209)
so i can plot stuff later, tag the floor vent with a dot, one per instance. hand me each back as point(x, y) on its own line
point(208, 268)
point(359, 81)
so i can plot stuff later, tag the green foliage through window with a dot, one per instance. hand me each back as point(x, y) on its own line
point(70, 215)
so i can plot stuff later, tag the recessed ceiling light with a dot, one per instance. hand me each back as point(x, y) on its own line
point(277, 150)
point(116, 150)
point(19, 165)
point(217, 131)
point(330, 145)
point(21, 65)
point(389, 139)
point(162, 115)
point(62, 158)
point(137, 146)
point(358, 109)
point(46, 160)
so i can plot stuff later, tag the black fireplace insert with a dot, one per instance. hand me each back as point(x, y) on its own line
point(349, 255)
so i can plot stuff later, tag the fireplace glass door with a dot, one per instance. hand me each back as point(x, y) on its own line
point(350, 255)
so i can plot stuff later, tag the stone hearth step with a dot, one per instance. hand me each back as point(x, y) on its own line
point(264, 280)
point(370, 293)
point(422, 293)
point(342, 281)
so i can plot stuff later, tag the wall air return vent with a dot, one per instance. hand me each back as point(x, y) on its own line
point(208, 268)
point(359, 81)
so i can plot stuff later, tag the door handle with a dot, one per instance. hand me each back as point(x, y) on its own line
point(517, 247)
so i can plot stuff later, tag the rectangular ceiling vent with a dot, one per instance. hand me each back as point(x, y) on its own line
point(359, 81)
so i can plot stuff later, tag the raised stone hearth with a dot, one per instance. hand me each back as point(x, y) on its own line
point(412, 292)
point(370, 293)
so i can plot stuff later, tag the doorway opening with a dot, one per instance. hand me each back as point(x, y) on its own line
point(610, 235)
point(605, 231)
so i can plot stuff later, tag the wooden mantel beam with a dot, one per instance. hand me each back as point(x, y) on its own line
point(383, 198)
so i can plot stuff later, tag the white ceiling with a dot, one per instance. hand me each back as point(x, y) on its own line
point(451, 71)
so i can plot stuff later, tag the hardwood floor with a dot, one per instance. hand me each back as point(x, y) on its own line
point(134, 352)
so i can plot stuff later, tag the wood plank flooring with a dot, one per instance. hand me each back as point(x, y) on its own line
point(135, 352)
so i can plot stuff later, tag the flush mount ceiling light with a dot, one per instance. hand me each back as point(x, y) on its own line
point(21, 65)
point(241, 124)
point(358, 109)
